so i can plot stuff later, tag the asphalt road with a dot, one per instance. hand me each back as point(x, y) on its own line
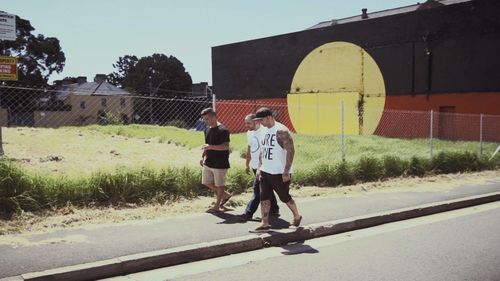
point(457, 245)
point(81, 245)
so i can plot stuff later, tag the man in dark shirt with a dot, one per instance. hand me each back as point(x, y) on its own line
point(215, 158)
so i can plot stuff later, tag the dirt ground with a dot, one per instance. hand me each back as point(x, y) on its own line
point(70, 216)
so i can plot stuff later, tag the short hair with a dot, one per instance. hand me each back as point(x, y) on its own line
point(208, 111)
point(250, 116)
point(263, 112)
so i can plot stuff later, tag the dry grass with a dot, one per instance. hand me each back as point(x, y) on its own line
point(78, 153)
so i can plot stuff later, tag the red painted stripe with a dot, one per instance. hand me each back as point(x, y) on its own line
point(404, 116)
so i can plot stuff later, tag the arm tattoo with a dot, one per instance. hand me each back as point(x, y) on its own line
point(286, 141)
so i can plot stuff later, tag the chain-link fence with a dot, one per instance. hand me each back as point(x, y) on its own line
point(323, 132)
point(52, 108)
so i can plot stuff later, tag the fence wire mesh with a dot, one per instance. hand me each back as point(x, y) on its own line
point(323, 132)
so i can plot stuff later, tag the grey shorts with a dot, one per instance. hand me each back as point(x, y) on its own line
point(213, 176)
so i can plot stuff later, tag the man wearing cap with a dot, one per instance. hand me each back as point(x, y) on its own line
point(275, 167)
point(215, 158)
point(254, 139)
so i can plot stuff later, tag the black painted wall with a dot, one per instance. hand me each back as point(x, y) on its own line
point(448, 49)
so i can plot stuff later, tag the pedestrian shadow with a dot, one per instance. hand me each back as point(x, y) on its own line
point(298, 248)
point(278, 223)
point(227, 218)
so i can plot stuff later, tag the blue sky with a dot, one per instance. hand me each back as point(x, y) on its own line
point(93, 34)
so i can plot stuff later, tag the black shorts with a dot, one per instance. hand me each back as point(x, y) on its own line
point(268, 182)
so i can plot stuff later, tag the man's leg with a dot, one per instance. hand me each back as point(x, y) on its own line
point(275, 209)
point(283, 190)
point(222, 194)
point(265, 203)
point(265, 207)
point(253, 204)
point(295, 211)
point(208, 180)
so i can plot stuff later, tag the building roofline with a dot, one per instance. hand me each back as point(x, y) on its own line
point(382, 13)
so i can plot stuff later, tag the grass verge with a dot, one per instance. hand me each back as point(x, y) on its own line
point(23, 191)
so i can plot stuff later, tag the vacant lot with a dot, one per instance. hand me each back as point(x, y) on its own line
point(81, 151)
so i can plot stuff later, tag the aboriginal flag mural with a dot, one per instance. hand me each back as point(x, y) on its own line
point(440, 55)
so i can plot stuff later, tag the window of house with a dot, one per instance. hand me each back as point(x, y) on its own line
point(82, 105)
point(104, 102)
point(123, 102)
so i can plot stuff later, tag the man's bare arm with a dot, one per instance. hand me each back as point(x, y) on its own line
point(248, 156)
point(286, 141)
point(218, 147)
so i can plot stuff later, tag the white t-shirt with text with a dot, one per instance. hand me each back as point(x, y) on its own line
point(254, 139)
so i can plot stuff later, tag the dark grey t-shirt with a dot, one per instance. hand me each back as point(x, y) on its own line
point(216, 136)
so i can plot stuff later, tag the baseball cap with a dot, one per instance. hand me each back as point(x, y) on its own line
point(262, 112)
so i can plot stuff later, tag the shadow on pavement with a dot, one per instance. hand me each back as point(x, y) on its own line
point(298, 248)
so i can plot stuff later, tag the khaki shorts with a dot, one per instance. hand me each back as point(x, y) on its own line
point(213, 176)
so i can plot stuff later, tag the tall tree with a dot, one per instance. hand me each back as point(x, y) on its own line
point(157, 75)
point(161, 75)
point(37, 56)
point(123, 66)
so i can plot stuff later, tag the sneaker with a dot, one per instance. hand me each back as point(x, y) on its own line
point(260, 229)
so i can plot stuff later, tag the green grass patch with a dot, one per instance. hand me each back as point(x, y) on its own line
point(23, 191)
point(139, 169)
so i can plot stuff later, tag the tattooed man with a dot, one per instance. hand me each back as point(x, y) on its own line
point(275, 167)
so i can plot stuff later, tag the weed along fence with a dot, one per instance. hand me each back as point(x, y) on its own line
point(108, 146)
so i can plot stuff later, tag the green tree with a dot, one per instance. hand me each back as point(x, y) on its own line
point(124, 65)
point(157, 75)
point(37, 56)
point(161, 75)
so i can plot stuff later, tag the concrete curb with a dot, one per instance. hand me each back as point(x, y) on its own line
point(163, 258)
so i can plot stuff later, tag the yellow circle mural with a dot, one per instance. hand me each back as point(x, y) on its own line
point(329, 75)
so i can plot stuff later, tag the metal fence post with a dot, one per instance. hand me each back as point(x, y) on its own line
point(481, 133)
point(432, 127)
point(213, 102)
point(342, 130)
point(6, 121)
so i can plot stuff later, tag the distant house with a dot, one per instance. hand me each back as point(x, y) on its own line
point(78, 102)
point(201, 89)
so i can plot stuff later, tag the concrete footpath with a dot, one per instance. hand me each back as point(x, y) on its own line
point(100, 252)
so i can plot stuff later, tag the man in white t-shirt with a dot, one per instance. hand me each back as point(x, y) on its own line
point(275, 167)
point(254, 138)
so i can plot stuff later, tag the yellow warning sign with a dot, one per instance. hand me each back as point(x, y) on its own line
point(8, 68)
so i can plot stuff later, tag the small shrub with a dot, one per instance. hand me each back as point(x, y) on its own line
point(394, 166)
point(302, 178)
point(238, 181)
point(323, 175)
point(344, 174)
point(368, 169)
point(417, 167)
